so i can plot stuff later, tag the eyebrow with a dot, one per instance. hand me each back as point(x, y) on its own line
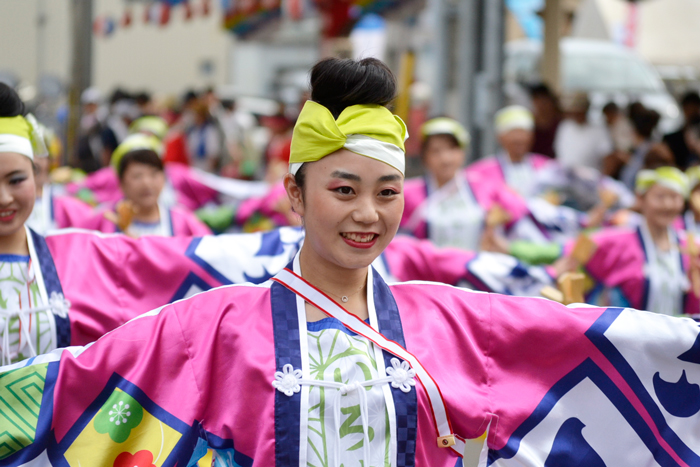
point(356, 178)
point(346, 176)
point(390, 178)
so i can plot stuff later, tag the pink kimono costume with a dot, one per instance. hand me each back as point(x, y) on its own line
point(478, 196)
point(549, 385)
point(499, 171)
point(174, 222)
point(532, 220)
point(626, 262)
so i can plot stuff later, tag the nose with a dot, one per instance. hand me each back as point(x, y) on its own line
point(5, 195)
point(365, 211)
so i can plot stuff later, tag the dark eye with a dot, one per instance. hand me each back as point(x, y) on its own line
point(17, 180)
point(388, 192)
point(344, 190)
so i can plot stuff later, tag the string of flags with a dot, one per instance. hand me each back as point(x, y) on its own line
point(154, 12)
point(245, 17)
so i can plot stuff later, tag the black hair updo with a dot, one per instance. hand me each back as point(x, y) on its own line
point(10, 103)
point(337, 84)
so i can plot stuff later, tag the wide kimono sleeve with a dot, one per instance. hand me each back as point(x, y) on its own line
point(112, 279)
point(554, 385)
point(409, 259)
point(129, 399)
point(163, 389)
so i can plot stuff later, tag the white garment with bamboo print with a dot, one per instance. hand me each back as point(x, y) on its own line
point(336, 355)
point(19, 290)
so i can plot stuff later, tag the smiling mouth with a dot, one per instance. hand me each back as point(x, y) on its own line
point(359, 237)
point(7, 215)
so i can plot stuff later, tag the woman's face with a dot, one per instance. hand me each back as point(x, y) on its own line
point(661, 205)
point(17, 192)
point(442, 158)
point(351, 206)
point(142, 184)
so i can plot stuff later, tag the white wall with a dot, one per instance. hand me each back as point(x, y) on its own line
point(18, 36)
point(163, 60)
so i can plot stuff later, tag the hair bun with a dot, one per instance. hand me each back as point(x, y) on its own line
point(10, 103)
point(340, 83)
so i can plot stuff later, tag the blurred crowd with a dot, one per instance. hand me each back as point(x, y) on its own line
point(561, 193)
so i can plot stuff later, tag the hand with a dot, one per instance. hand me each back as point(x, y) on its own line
point(596, 216)
point(494, 242)
point(565, 264)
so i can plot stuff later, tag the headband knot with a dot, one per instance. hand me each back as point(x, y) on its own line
point(368, 130)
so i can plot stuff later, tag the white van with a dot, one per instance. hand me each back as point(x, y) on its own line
point(606, 71)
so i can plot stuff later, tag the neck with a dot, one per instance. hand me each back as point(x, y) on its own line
point(336, 281)
point(147, 214)
point(440, 183)
point(659, 235)
point(15, 243)
point(516, 158)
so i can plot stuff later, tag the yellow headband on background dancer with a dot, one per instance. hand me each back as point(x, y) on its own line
point(368, 130)
point(693, 174)
point(135, 142)
point(22, 135)
point(669, 177)
point(446, 126)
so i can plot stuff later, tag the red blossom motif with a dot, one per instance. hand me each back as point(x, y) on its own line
point(140, 459)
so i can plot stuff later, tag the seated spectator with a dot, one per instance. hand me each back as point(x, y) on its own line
point(547, 114)
point(684, 153)
point(579, 142)
point(644, 122)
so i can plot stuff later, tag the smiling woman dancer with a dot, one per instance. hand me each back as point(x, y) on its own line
point(327, 365)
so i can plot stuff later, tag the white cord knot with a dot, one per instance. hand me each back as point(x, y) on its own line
point(287, 381)
point(349, 388)
point(402, 375)
point(59, 304)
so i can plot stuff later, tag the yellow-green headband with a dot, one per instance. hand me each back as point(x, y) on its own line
point(150, 124)
point(693, 174)
point(368, 130)
point(135, 142)
point(446, 126)
point(670, 177)
point(22, 135)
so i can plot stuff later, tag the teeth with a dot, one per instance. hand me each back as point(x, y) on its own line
point(360, 238)
point(5, 213)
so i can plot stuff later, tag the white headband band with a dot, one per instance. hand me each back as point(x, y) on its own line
point(369, 147)
point(18, 144)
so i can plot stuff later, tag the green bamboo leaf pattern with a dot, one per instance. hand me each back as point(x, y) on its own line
point(342, 358)
point(18, 286)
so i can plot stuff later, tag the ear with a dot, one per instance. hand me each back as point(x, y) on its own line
point(294, 192)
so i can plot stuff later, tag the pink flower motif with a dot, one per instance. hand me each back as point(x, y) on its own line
point(140, 459)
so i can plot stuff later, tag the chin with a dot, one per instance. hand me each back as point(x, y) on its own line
point(360, 259)
point(10, 229)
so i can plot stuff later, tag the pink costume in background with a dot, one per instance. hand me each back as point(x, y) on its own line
point(494, 169)
point(175, 221)
point(486, 194)
point(622, 262)
point(190, 192)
